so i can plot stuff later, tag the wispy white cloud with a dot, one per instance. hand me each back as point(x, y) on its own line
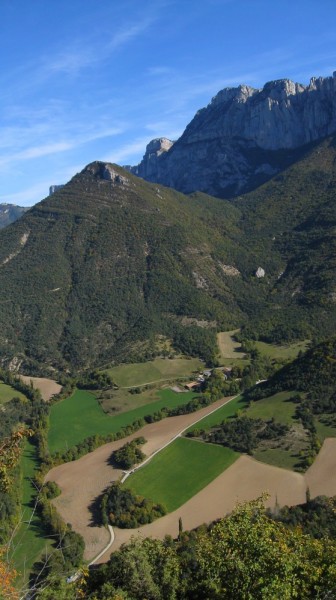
point(160, 70)
point(50, 137)
point(130, 31)
point(127, 152)
point(29, 195)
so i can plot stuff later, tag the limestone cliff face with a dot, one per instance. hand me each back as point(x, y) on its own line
point(149, 168)
point(243, 137)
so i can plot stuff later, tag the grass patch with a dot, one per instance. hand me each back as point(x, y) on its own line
point(7, 393)
point(160, 369)
point(80, 416)
point(121, 400)
point(30, 539)
point(277, 407)
point(181, 470)
point(325, 426)
point(230, 352)
point(277, 352)
point(225, 412)
point(290, 449)
point(277, 457)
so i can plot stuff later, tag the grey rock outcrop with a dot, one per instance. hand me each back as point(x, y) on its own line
point(55, 188)
point(238, 141)
point(10, 213)
point(149, 168)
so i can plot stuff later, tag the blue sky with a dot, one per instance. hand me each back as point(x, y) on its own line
point(84, 80)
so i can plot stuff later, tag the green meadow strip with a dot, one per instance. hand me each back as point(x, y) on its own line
point(179, 471)
point(80, 416)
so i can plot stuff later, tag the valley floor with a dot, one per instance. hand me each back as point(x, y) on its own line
point(83, 481)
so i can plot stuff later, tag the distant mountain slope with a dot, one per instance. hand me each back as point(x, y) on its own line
point(291, 221)
point(110, 259)
point(10, 213)
point(243, 137)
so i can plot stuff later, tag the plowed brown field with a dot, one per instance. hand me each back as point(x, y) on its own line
point(47, 387)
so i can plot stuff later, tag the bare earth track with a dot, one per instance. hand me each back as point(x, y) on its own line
point(82, 481)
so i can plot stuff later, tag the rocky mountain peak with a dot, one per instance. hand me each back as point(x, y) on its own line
point(107, 171)
point(239, 94)
point(159, 145)
point(149, 166)
point(237, 141)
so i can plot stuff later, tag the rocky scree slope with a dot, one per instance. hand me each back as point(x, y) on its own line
point(243, 137)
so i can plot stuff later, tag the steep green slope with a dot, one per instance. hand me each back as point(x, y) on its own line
point(109, 260)
point(313, 373)
point(291, 222)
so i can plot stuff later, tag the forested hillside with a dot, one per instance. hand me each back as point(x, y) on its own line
point(313, 373)
point(110, 261)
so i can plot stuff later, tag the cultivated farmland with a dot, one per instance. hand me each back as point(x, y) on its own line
point(84, 480)
point(180, 471)
point(154, 371)
point(226, 412)
point(47, 387)
point(80, 416)
point(244, 480)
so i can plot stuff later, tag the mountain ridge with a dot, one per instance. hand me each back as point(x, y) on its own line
point(243, 137)
point(110, 260)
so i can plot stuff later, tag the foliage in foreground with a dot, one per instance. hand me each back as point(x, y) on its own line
point(246, 556)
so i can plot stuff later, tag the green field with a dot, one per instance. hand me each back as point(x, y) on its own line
point(225, 412)
point(230, 352)
point(292, 447)
point(179, 471)
point(7, 393)
point(278, 457)
point(277, 352)
point(80, 416)
point(275, 407)
point(288, 454)
point(160, 369)
point(325, 427)
point(30, 539)
point(121, 400)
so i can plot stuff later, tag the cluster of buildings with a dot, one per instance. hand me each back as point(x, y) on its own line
point(195, 385)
